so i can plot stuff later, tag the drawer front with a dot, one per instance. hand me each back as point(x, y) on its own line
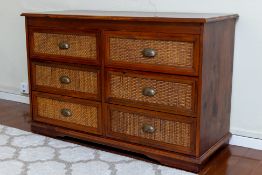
point(162, 53)
point(174, 133)
point(83, 82)
point(158, 92)
point(64, 45)
point(67, 112)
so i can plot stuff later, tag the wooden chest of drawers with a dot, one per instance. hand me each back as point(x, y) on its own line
point(157, 84)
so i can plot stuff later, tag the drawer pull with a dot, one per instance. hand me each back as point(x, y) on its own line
point(148, 52)
point(148, 128)
point(66, 112)
point(65, 80)
point(63, 46)
point(148, 91)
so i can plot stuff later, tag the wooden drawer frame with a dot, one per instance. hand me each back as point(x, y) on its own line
point(65, 91)
point(63, 58)
point(151, 67)
point(78, 127)
point(148, 142)
point(174, 110)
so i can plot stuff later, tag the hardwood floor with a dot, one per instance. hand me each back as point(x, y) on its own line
point(232, 160)
point(14, 114)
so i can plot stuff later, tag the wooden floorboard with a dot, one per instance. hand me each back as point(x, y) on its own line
point(257, 170)
point(232, 160)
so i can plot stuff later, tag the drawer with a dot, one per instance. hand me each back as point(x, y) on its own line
point(67, 112)
point(164, 131)
point(62, 46)
point(76, 81)
point(177, 54)
point(151, 91)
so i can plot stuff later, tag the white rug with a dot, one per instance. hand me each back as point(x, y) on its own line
point(25, 153)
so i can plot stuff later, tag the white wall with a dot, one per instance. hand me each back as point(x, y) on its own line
point(247, 81)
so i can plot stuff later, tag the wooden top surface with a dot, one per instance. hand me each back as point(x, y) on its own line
point(134, 16)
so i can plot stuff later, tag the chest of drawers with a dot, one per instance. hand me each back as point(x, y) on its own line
point(158, 84)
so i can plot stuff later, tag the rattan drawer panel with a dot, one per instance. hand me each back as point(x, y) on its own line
point(80, 46)
point(169, 131)
point(175, 95)
point(83, 81)
point(172, 54)
point(84, 115)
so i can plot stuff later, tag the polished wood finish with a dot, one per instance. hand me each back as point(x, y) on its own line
point(15, 114)
point(209, 75)
point(152, 79)
point(67, 102)
point(161, 129)
point(135, 16)
point(143, 65)
point(215, 92)
point(64, 35)
point(76, 72)
point(231, 160)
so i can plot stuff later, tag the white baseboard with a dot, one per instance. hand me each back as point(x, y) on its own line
point(246, 133)
point(244, 141)
point(14, 97)
point(246, 138)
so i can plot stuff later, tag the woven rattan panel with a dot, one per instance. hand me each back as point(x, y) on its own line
point(173, 94)
point(81, 81)
point(170, 53)
point(172, 132)
point(81, 114)
point(79, 45)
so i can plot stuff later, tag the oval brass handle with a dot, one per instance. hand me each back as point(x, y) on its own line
point(148, 128)
point(149, 52)
point(148, 91)
point(66, 112)
point(65, 80)
point(63, 46)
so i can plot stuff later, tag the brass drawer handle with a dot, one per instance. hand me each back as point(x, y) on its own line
point(148, 91)
point(148, 128)
point(149, 52)
point(66, 112)
point(65, 80)
point(63, 46)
